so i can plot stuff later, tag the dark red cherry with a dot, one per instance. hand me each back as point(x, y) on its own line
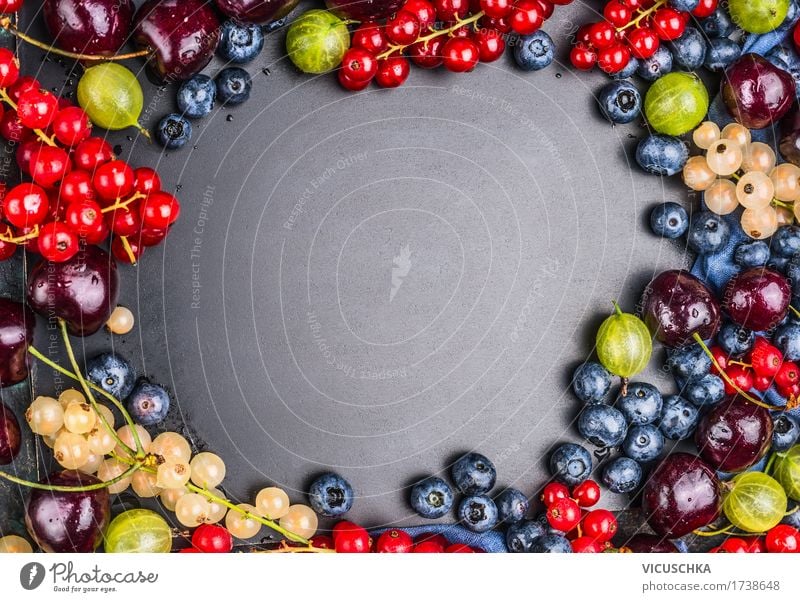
point(644, 543)
point(757, 298)
point(256, 11)
point(16, 334)
point(756, 92)
point(364, 10)
point(89, 26)
point(10, 435)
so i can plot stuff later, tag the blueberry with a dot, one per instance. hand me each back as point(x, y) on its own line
point(620, 102)
point(233, 85)
point(752, 254)
point(622, 475)
point(735, 340)
point(669, 220)
point(512, 506)
point(602, 425)
point(685, 6)
point(478, 513)
point(689, 50)
point(330, 495)
point(173, 131)
point(786, 241)
point(662, 155)
point(519, 537)
point(781, 264)
point(787, 339)
point(240, 43)
point(591, 382)
point(706, 391)
point(722, 53)
point(534, 52)
point(431, 498)
point(678, 418)
point(112, 373)
point(148, 403)
point(792, 270)
point(781, 56)
point(571, 464)
point(641, 404)
point(792, 517)
point(708, 233)
point(196, 96)
point(551, 544)
point(785, 433)
point(718, 24)
point(657, 65)
point(644, 443)
point(473, 473)
point(628, 70)
point(688, 362)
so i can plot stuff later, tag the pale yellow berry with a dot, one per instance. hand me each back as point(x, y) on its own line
point(45, 416)
point(724, 157)
point(192, 509)
point(71, 450)
point(121, 320)
point(300, 520)
point(697, 175)
point(79, 418)
point(786, 179)
point(109, 470)
point(706, 134)
point(14, 544)
point(216, 511)
point(125, 435)
point(70, 396)
point(738, 133)
point(760, 223)
point(170, 497)
point(272, 502)
point(208, 470)
point(758, 156)
point(241, 525)
point(144, 484)
point(721, 197)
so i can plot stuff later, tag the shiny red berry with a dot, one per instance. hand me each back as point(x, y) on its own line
point(458, 548)
point(583, 58)
point(150, 237)
point(614, 58)
point(497, 8)
point(212, 539)
point(322, 541)
point(586, 545)
point(159, 210)
point(451, 10)
point(765, 358)
point(761, 383)
point(720, 357)
point(553, 492)
point(146, 180)
point(113, 180)
point(359, 65)
point(787, 376)
point(735, 545)
point(402, 28)
point(394, 541)
point(490, 44)
point(24, 83)
point(83, 217)
point(423, 10)
point(705, 9)
point(602, 35)
point(783, 539)
point(351, 84)
point(9, 68)
point(547, 8)
point(617, 13)
point(668, 23)
point(351, 540)
point(643, 42)
point(392, 72)
point(587, 494)
point(742, 377)
point(10, 6)
point(36, 109)
point(121, 253)
point(57, 243)
point(428, 547)
point(49, 165)
point(76, 186)
point(71, 126)
point(600, 525)
point(25, 152)
point(7, 250)
point(564, 514)
point(92, 153)
point(503, 24)
point(125, 221)
point(427, 54)
point(437, 538)
point(11, 127)
point(25, 205)
point(371, 37)
point(526, 17)
point(460, 55)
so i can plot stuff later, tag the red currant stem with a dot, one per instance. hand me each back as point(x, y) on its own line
point(39, 133)
point(643, 15)
point(724, 531)
point(140, 451)
point(20, 239)
point(123, 204)
point(127, 246)
point(434, 34)
point(6, 24)
point(742, 364)
point(698, 339)
point(284, 549)
point(70, 488)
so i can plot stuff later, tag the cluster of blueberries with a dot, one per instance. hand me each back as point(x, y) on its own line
point(196, 97)
point(147, 403)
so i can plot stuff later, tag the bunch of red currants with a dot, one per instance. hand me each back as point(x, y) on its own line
point(79, 192)
point(781, 539)
point(350, 538)
point(456, 34)
point(632, 28)
point(762, 367)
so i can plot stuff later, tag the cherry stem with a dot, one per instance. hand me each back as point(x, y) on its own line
point(643, 15)
point(40, 133)
point(71, 354)
point(71, 488)
point(434, 34)
point(6, 24)
point(727, 378)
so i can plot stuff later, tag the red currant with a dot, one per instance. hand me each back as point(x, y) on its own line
point(586, 545)
point(10, 6)
point(351, 84)
point(394, 541)
point(36, 109)
point(761, 383)
point(553, 492)
point(490, 44)
point(9, 68)
point(322, 541)
point(113, 180)
point(25, 205)
point(189, 550)
point(125, 222)
point(547, 8)
point(83, 217)
point(212, 538)
point(392, 71)
point(497, 8)
point(359, 65)
point(451, 10)
point(561, 2)
point(25, 152)
point(735, 545)
point(370, 37)
point(427, 54)
point(436, 538)
point(587, 494)
point(742, 377)
point(24, 84)
point(617, 13)
point(765, 358)
point(428, 547)
point(755, 545)
point(460, 55)
point(120, 252)
point(583, 57)
point(402, 28)
point(602, 35)
point(423, 10)
point(159, 210)
point(720, 357)
point(614, 58)
point(458, 548)
point(503, 25)
point(787, 376)
point(526, 17)
point(351, 540)
point(783, 539)
point(150, 237)
point(7, 250)
point(57, 243)
point(643, 42)
point(71, 126)
point(705, 9)
point(668, 23)
point(76, 186)
point(11, 127)
point(146, 180)
point(564, 514)
point(600, 525)
point(49, 165)
point(91, 153)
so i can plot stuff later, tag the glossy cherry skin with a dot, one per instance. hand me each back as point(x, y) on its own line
point(644, 543)
point(364, 10)
point(256, 11)
point(68, 521)
point(82, 291)
point(756, 92)
point(183, 35)
point(10, 435)
point(682, 494)
point(757, 298)
point(734, 435)
point(16, 334)
point(89, 26)
point(676, 305)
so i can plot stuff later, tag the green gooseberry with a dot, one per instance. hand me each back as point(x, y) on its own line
point(624, 345)
point(111, 96)
point(138, 531)
point(316, 41)
point(758, 16)
point(676, 103)
point(756, 502)
point(787, 471)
